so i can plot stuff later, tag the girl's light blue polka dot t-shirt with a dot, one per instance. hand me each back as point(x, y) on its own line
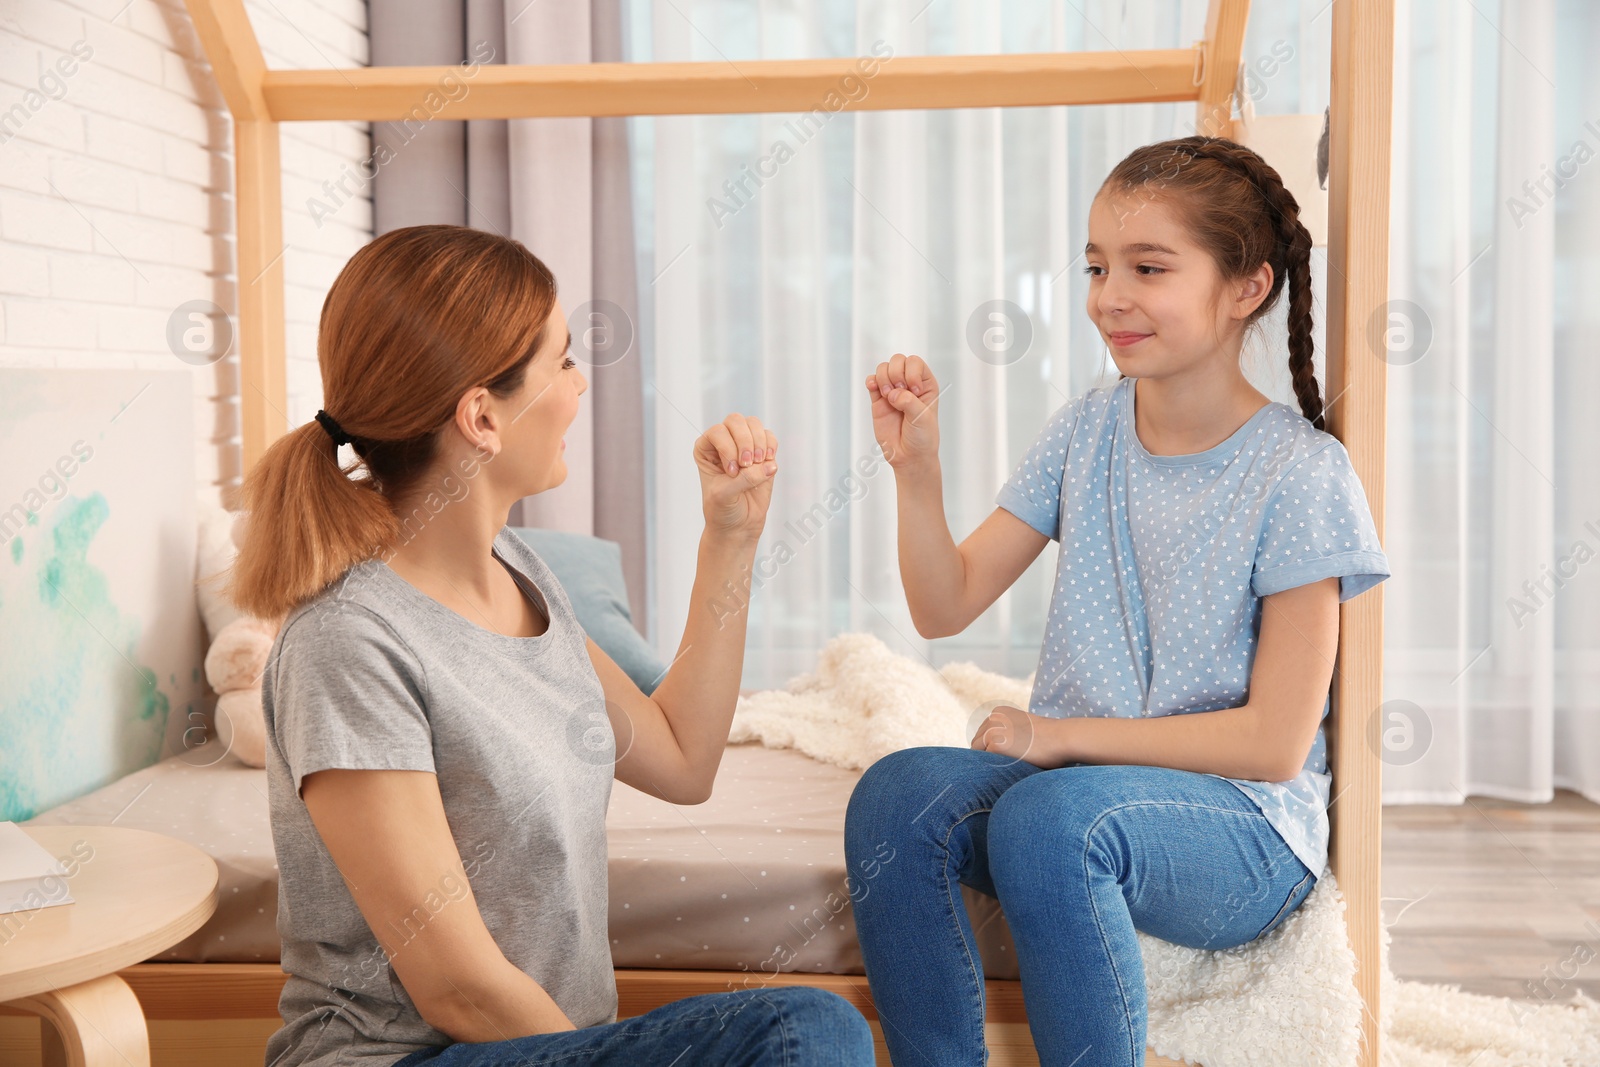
point(1164, 562)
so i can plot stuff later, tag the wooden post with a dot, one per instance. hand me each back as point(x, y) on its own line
point(239, 68)
point(1358, 289)
point(1222, 48)
point(258, 200)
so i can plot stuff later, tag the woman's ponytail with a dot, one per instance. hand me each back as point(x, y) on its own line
point(307, 522)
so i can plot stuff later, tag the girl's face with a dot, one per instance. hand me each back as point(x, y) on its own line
point(1156, 296)
point(533, 456)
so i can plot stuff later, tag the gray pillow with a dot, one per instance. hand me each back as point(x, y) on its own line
point(590, 570)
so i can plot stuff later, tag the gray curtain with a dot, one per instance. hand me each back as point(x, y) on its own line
point(426, 176)
point(488, 177)
point(617, 388)
point(561, 187)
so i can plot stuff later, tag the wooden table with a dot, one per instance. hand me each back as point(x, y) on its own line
point(135, 894)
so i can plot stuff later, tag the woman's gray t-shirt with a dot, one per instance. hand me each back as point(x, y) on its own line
point(374, 674)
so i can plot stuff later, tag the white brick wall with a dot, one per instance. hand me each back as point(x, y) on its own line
point(116, 193)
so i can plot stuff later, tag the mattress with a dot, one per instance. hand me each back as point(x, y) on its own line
point(751, 880)
point(221, 809)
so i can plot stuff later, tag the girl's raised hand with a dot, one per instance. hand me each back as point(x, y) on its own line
point(736, 460)
point(904, 394)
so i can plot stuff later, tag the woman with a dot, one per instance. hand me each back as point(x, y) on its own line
point(442, 736)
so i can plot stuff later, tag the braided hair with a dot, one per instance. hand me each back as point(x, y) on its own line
point(1237, 208)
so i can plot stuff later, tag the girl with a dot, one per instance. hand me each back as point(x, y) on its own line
point(442, 736)
point(1170, 773)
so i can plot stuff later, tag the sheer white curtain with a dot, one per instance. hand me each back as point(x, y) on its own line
point(773, 280)
point(867, 234)
point(1493, 615)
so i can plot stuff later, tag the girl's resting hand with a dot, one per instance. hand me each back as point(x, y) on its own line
point(904, 395)
point(736, 463)
point(1021, 735)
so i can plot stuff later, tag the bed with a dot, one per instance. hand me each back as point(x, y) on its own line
point(742, 891)
point(766, 849)
point(219, 1008)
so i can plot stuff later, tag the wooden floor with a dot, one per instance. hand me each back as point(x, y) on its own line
point(1495, 896)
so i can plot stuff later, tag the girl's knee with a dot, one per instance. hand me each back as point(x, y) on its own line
point(1034, 806)
point(890, 786)
point(1053, 807)
point(871, 804)
point(898, 769)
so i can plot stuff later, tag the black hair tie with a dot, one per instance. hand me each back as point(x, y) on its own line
point(333, 428)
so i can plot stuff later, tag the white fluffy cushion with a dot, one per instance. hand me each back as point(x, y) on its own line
point(215, 551)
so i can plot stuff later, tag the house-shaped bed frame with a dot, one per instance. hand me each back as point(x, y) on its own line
point(211, 1013)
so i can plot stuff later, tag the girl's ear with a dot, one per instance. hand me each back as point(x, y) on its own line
point(1251, 290)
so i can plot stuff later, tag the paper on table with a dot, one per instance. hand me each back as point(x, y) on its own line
point(29, 876)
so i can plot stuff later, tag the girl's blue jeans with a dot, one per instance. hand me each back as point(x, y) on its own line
point(1079, 857)
point(782, 1026)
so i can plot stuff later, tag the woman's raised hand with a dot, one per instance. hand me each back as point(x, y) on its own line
point(904, 394)
point(736, 459)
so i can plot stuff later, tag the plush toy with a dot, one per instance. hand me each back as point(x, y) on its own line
point(239, 643)
point(233, 667)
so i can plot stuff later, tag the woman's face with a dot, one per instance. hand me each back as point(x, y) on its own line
point(533, 454)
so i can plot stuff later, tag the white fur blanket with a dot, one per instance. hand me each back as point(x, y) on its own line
point(1286, 998)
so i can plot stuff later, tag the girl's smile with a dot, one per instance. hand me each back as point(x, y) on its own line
point(1123, 339)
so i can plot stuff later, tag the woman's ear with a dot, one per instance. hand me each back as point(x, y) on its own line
point(1251, 290)
point(478, 422)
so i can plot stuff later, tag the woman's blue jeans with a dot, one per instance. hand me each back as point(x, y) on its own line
point(782, 1026)
point(1079, 857)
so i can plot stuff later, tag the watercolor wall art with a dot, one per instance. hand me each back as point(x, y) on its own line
point(101, 643)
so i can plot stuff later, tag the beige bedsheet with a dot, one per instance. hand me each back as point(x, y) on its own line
point(220, 809)
point(753, 879)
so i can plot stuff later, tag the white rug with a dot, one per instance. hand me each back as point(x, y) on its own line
point(1288, 998)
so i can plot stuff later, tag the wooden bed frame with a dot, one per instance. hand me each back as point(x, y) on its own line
point(220, 1014)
